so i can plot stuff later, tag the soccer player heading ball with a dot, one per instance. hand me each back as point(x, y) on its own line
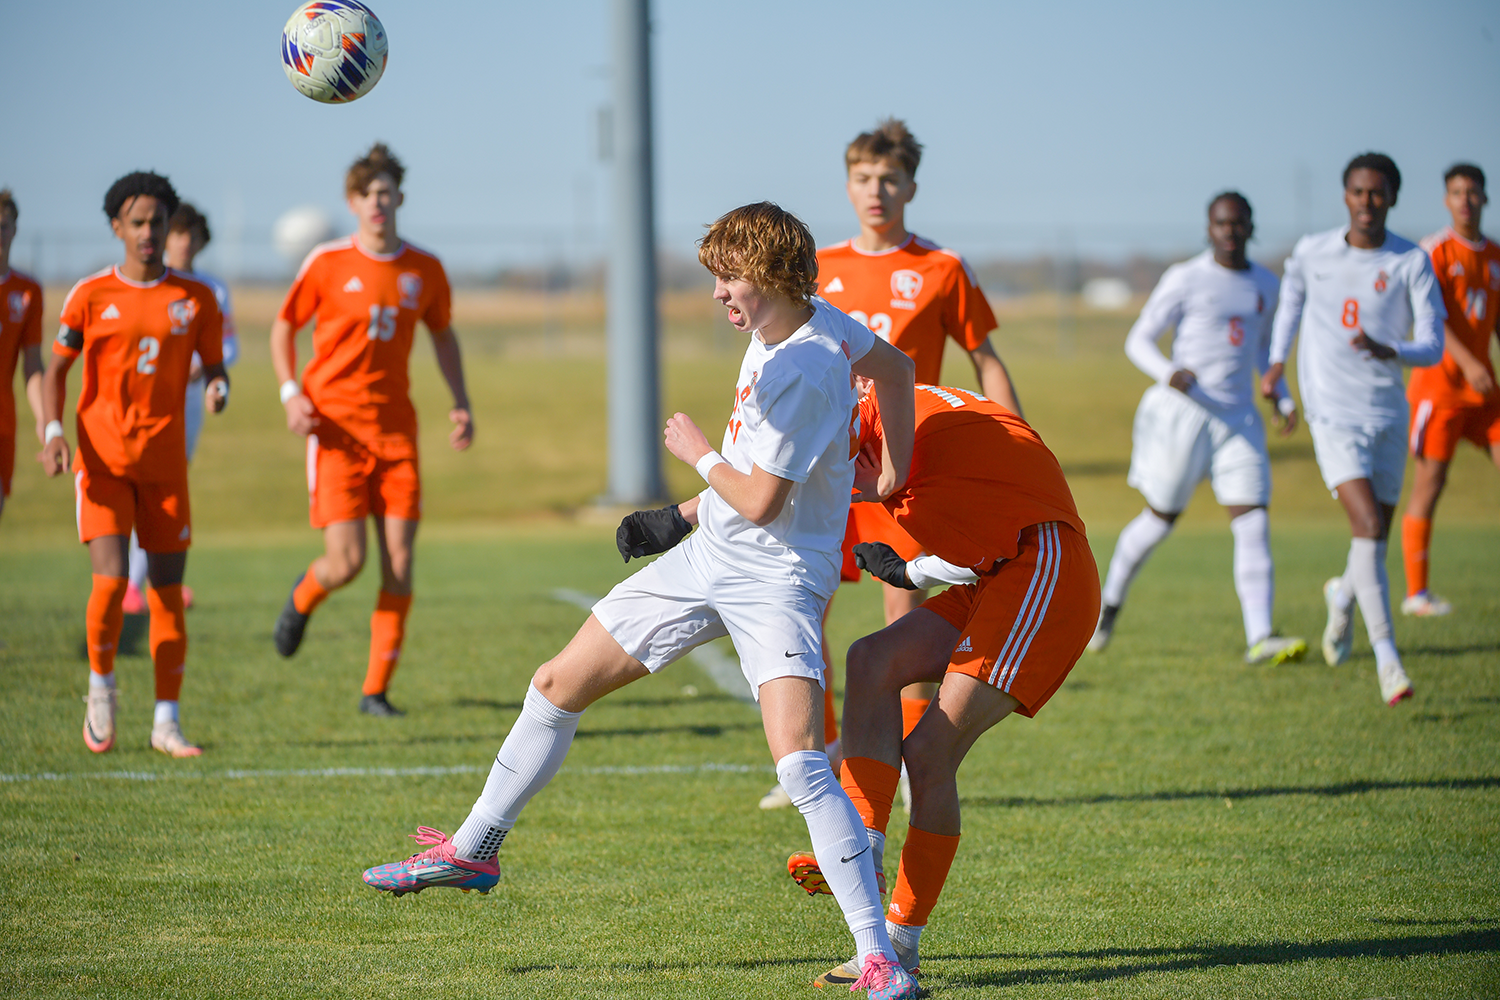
point(760, 568)
point(353, 406)
point(1200, 420)
point(136, 326)
point(1354, 292)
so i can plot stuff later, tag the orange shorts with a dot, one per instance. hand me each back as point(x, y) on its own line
point(1436, 429)
point(7, 462)
point(347, 483)
point(112, 505)
point(1026, 622)
point(871, 522)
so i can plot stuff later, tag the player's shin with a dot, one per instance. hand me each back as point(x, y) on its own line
point(1254, 573)
point(1137, 540)
point(104, 618)
point(387, 633)
point(925, 861)
point(530, 757)
point(308, 593)
point(1366, 576)
point(168, 640)
point(1416, 536)
point(841, 845)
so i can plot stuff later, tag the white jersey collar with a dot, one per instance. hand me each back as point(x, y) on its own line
point(142, 284)
point(881, 253)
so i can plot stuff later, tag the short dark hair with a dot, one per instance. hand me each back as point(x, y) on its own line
point(1381, 164)
point(186, 219)
point(379, 160)
point(1468, 170)
point(8, 203)
point(138, 184)
point(1231, 196)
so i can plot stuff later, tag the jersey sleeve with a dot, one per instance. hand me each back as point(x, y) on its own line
point(1163, 310)
point(859, 338)
point(967, 316)
point(1292, 298)
point(210, 345)
point(1428, 313)
point(302, 299)
point(75, 313)
point(439, 314)
point(797, 423)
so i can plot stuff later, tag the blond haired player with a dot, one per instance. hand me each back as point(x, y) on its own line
point(20, 340)
point(136, 327)
point(1456, 399)
point(916, 295)
point(760, 569)
point(1354, 292)
point(353, 405)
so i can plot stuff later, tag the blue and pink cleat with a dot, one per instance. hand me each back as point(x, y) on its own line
point(436, 866)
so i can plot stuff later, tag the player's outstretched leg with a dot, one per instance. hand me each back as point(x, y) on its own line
point(1137, 541)
point(1254, 582)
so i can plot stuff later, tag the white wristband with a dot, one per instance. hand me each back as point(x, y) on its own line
point(707, 462)
point(54, 430)
point(1285, 406)
point(289, 388)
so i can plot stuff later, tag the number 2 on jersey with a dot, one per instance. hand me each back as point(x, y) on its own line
point(150, 347)
point(382, 322)
point(1350, 319)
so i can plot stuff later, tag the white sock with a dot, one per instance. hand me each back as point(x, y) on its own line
point(1136, 541)
point(166, 711)
point(101, 680)
point(877, 849)
point(1366, 576)
point(906, 937)
point(138, 563)
point(529, 758)
point(1254, 575)
point(841, 845)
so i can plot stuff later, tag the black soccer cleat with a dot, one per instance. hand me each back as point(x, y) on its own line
point(375, 704)
point(290, 624)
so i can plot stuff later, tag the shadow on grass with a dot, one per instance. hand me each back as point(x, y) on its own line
point(708, 731)
point(671, 701)
point(1123, 963)
point(1346, 788)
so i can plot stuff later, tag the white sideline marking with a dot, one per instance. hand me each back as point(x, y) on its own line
point(374, 772)
point(721, 669)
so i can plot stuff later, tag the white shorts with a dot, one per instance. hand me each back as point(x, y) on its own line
point(1177, 443)
point(688, 597)
point(1346, 453)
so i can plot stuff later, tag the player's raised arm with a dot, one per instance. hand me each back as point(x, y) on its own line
point(894, 376)
point(757, 497)
point(451, 364)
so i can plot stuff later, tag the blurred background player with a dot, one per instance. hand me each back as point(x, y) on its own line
point(136, 326)
point(916, 295)
point(354, 407)
point(187, 235)
point(1200, 420)
point(1456, 399)
point(1354, 292)
point(20, 340)
point(987, 497)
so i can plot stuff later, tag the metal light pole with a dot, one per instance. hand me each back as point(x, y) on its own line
point(634, 397)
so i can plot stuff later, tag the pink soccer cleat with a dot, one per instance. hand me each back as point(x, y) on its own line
point(135, 601)
point(436, 866)
point(886, 980)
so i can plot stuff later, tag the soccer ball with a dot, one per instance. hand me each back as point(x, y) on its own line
point(333, 50)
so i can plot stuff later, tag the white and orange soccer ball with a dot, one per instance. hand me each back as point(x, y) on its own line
point(333, 50)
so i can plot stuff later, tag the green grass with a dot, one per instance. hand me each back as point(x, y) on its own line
point(1174, 824)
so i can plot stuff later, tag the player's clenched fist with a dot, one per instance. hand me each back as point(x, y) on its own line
point(883, 563)
point(685, 440)
point(647, 532)
point(301, 415)
point(462, 434)
point(55, 456)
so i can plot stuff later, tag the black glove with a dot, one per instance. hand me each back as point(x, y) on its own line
point(883, 563)
point(647, 532)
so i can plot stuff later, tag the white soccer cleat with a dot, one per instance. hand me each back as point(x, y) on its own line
point(1104, 630)
point(1274, 650)
point(99, 719)
point(1424, 605)
point(1338, 634)
point(776, 798)
point(167, 737)
point(1394, 684)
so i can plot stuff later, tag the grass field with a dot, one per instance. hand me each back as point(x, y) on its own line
point(1174, 824)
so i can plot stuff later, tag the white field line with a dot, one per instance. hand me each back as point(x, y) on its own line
point(373, 772)
point(721, 669)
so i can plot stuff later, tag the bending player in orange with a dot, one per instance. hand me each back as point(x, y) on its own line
point(20, 340)
point(987, 499)
point(353, 406)
point(136, 326)
point(1456, 399)
point(917, 295)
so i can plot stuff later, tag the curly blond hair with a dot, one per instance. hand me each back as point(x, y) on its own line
point(765, 245)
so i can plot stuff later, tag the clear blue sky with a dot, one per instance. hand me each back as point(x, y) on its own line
point(1103, 126)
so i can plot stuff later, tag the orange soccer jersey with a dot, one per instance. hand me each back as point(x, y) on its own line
point(1469, 275)
point(367, 306)
point(20, 328)
point(137, 342)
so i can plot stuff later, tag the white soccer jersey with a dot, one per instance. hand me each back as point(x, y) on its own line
point(793, 408)
point(1223, 321)
point(1333, 291)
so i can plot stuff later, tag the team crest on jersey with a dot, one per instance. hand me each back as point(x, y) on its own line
point(18, 303)
point(181, 313)
point(409, 284)
point(1380, 281)
point(906, 285)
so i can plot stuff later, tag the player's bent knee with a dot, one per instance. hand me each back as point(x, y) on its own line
point(869, 664)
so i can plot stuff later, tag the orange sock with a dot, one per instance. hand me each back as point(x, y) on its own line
point(308, 593)
point(911, 713)
point(871, 785)
point(1416, 535)
point(925, 861)
point(168, 639)
point(102, 621)
point(387, 630)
